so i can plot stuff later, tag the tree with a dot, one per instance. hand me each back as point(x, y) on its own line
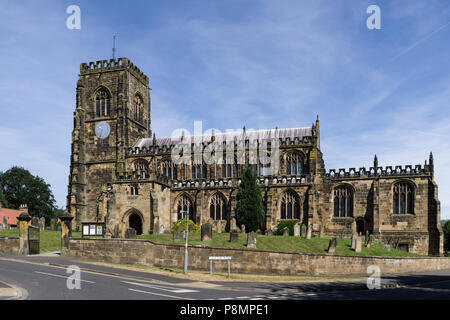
point(19, 186)
point(249, 210)
point(3, 201)
point(446, 230)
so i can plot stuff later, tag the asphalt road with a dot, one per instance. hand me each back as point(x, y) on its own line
point(45, 278)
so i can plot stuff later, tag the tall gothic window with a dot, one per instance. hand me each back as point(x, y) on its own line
point(290, 206)
point(294, 164)
point(138, 109)
point(184, 204)
point(102, 103)
point(403, 200)
point(169, 169)
point(343, 202)
point(226, 170)
point(217, 207)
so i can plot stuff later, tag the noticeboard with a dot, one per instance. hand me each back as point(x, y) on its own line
point(93, 229)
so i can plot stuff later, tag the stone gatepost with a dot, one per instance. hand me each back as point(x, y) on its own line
point(24, 219)
point(66, 231)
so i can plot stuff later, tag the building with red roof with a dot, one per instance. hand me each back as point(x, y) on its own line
point(11, 215)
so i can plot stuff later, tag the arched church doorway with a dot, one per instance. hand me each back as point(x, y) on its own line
point(360, 228)
point(136, 223)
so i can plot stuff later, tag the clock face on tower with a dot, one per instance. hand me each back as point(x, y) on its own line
point(102, 130)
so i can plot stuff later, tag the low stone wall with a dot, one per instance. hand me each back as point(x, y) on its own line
point(148, 253)
point(9, 246)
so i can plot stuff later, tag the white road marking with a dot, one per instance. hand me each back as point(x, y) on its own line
point(59, 276)
point(152, 286)
point(160, 294)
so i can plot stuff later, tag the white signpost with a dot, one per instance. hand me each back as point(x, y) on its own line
point(219, 258)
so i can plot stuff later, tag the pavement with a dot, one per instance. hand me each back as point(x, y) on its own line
point(47, 277)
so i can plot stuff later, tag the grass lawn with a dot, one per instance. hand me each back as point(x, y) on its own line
point(49, 240)
point(282, 243)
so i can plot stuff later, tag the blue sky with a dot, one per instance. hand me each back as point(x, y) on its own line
point(232, 63)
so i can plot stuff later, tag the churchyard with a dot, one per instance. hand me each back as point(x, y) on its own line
point(280, 243)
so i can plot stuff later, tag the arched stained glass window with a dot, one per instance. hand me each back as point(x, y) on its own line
point(403, 198)
point(290, 206)
point(217, 207)
point(343, 202)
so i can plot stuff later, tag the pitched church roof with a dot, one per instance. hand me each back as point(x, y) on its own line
point(263, 134)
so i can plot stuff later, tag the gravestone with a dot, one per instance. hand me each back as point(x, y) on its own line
point(258, 231)
point(285, 231)
point(358, 244)
point(303, 231)
point(296, 230)
point(368, 242)
point(354, 236)
point(41, 224)
point(251, 240)
point(321, 231)
point(309, 232)
point(387, 247)
point(218, 226)
point(52, 225)
point(161, 229)
point(234, 236)
point(332, 245)
point(242, 228)
point(269, 232)
point(130, 233)
point(206, 232)
point(366, 236)
point(178, 235)
point(35, 222)
point(233, 224)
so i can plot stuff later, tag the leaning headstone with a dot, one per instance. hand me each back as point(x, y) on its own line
point(251, 240)
point(387, 247)
point(332, 245)
point(303, 231)
point(358, 244)
point(178, 235)
point(269, 232)
point(206, 232)
point(35, 222)
point(130, 233)
point(234, 236)
point(368, 242)
point(309, 232)
point(296, 230)
point(243, 228)
point(42, 224)
point(285, 231)
point(354, 236)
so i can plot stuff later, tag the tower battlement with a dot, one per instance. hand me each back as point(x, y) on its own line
point(112, 65)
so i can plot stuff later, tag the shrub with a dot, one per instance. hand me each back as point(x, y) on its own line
point(283, 224)
point(192, 226)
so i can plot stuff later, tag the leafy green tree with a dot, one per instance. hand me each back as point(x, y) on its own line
point(3, 201)
point(446, 230)
point(249, 210)
point(19, 186)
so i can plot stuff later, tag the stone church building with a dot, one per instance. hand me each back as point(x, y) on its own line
point(128, 179)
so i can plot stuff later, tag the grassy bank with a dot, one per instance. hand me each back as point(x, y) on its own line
point(281, 243)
